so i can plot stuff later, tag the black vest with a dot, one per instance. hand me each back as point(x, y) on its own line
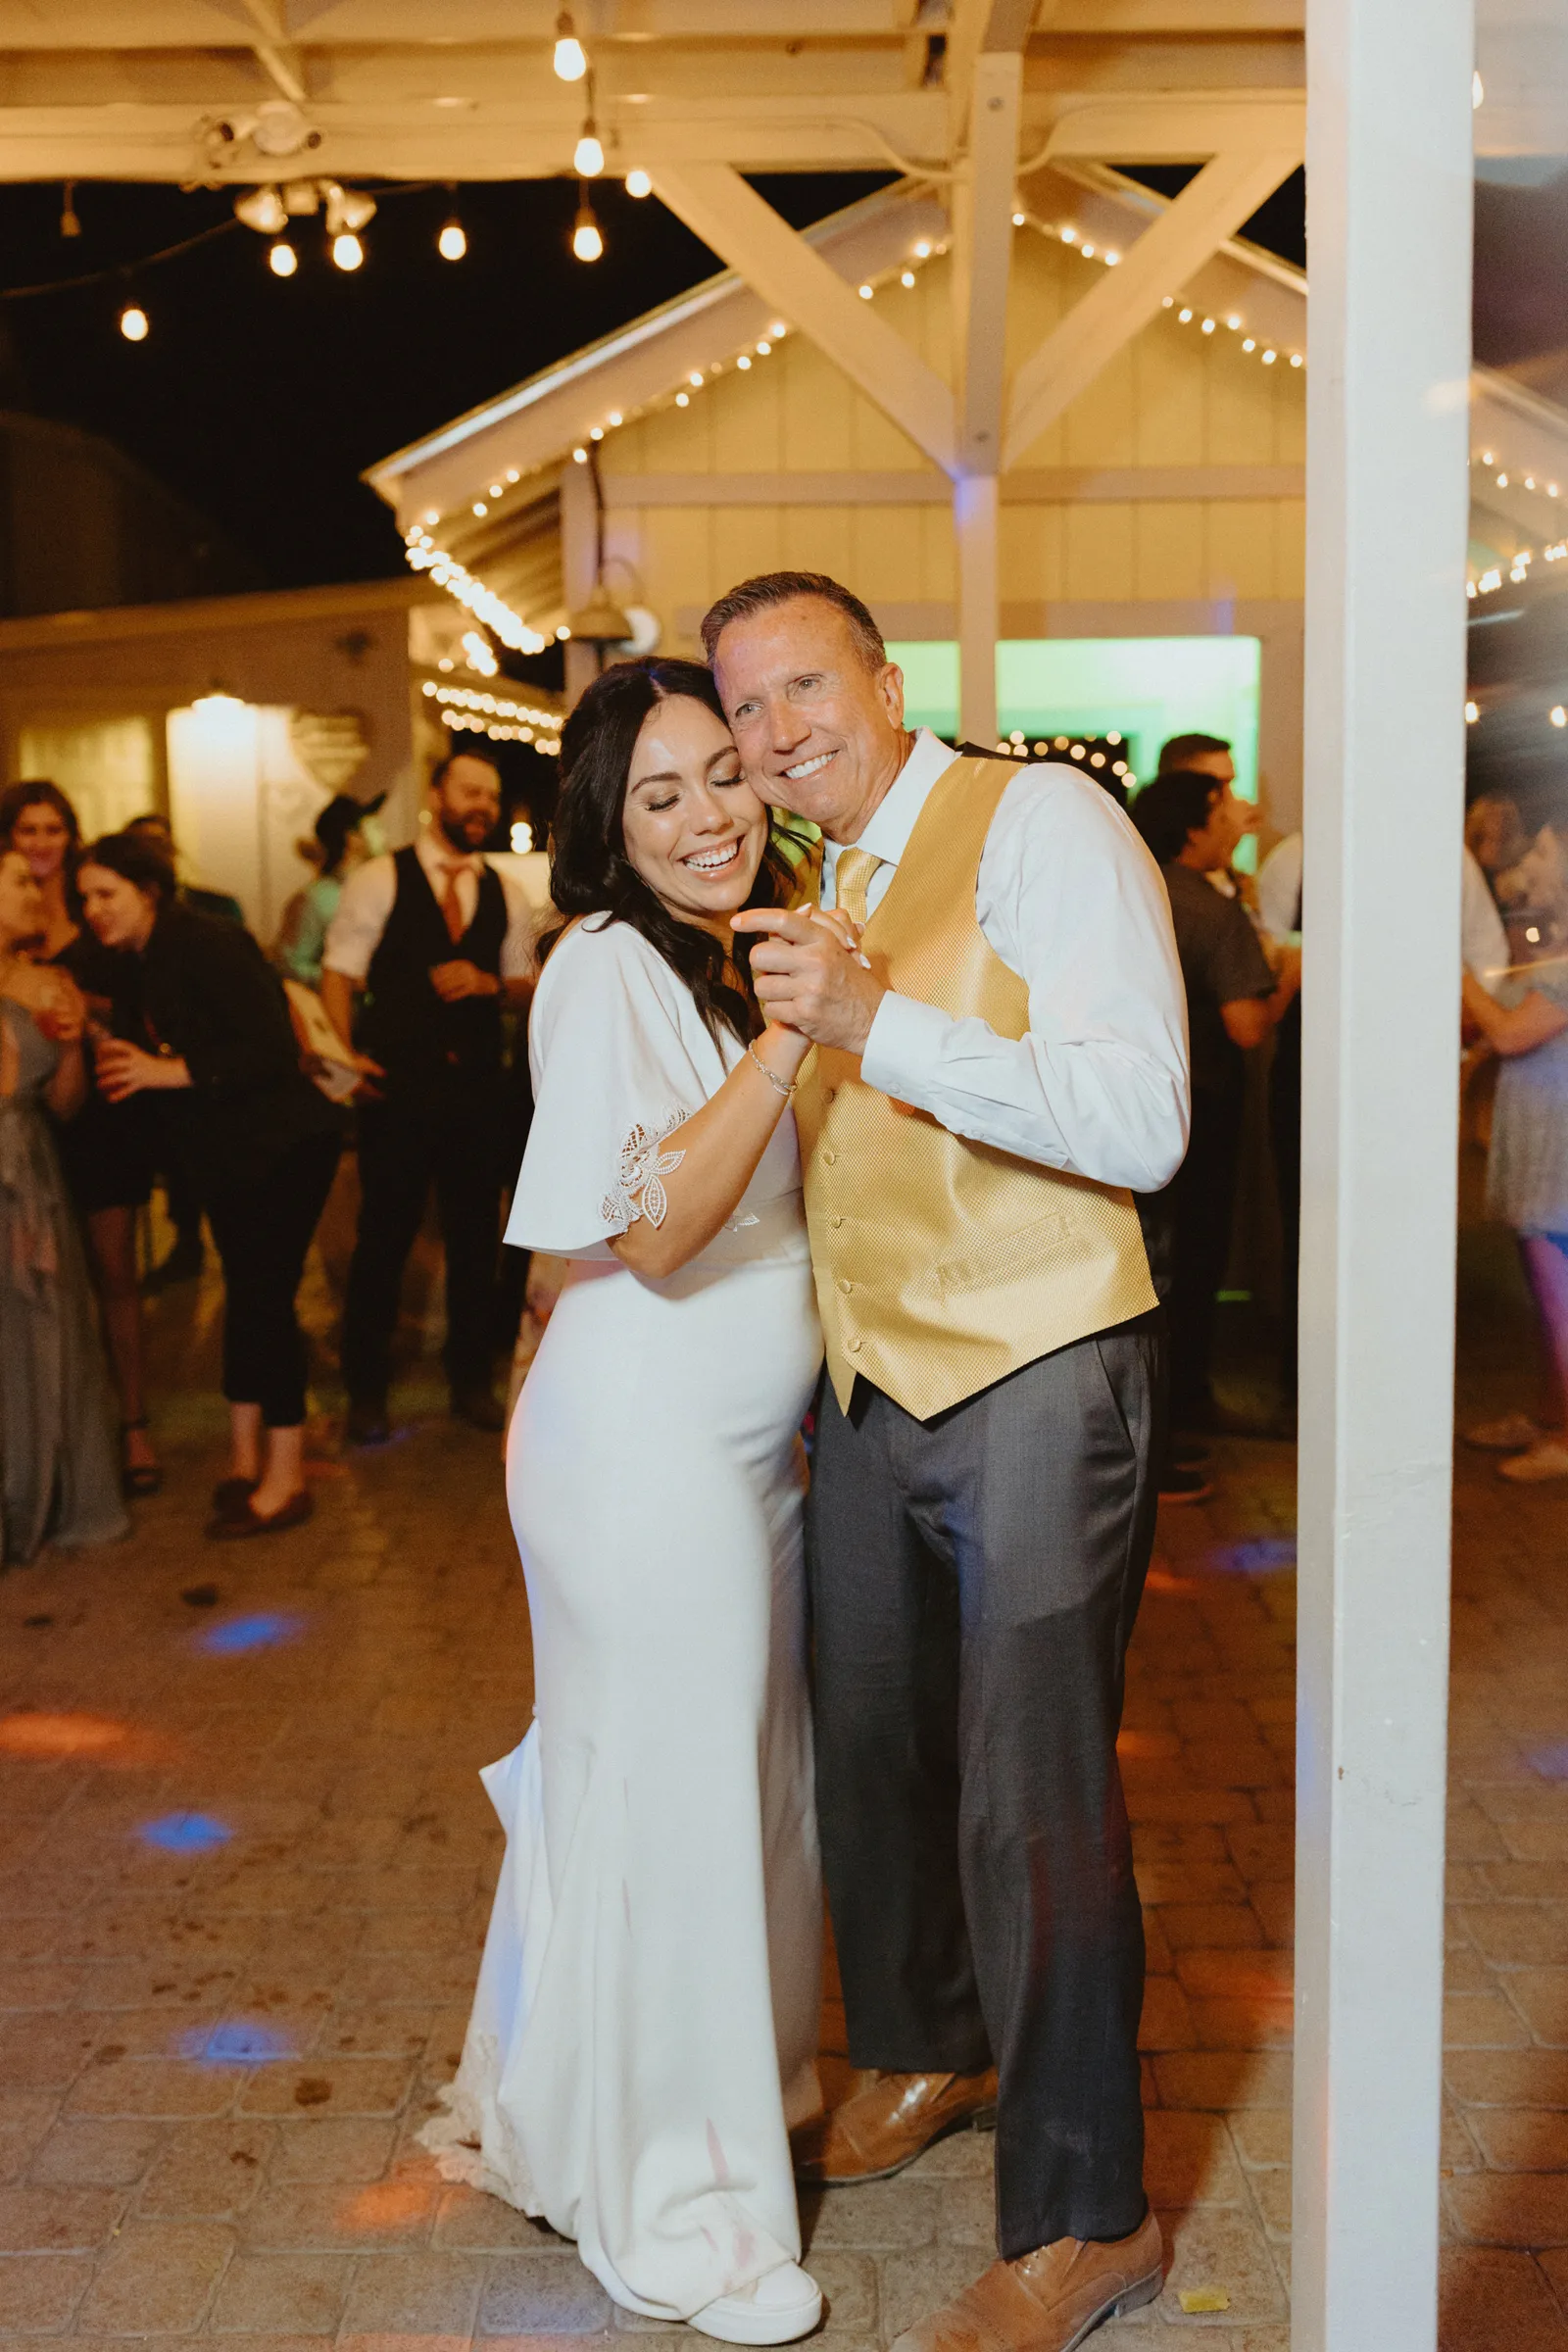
point(419, 1040)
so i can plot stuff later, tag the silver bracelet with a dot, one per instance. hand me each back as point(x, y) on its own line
point(782, 1086)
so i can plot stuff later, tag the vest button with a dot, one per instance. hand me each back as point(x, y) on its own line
point(846, 1285)
point(829, 1158)
point(835, 1222)
point(854, 1346)
point(828, 1093)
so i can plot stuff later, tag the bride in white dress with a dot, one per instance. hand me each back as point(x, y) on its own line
point(645, 2023)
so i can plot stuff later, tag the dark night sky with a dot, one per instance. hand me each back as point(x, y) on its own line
point(263, 399)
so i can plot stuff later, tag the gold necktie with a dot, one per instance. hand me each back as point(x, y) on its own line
point(852, 879)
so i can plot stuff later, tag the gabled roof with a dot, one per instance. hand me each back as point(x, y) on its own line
point(538, 423)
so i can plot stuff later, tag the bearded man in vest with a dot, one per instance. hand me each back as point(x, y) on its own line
point(439, 940)
point(1000, 1074)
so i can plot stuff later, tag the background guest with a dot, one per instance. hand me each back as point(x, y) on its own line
point(58, 1474)
point(107, 1150)
point(440, 940)
point(341, 844)
point(1193, 823)
point(214, 1025)
point(158, 831)
point(1526, 1167)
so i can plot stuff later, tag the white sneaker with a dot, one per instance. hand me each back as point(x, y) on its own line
point(1511, 1435)
point(1548, 1458)
point(775, 2309)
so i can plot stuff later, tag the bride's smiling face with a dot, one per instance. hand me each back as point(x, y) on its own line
point(693, 827)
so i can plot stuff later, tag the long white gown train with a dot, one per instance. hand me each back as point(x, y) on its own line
point(646, 2016)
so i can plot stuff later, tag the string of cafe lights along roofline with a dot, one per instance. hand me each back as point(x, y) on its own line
point(422, 553)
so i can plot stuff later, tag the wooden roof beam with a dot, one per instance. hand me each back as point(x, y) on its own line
point(1211, 208)
point(717, 204)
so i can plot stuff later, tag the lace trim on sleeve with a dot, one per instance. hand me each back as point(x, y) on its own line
point(639, 1190)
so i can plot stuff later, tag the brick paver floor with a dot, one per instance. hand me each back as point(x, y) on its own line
point(246, 1868)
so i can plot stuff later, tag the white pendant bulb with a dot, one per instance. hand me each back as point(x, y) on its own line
point(571, 57)
point(451, 243)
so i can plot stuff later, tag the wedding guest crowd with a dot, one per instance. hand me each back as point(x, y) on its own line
point(142, 1029)
point(108, 1151)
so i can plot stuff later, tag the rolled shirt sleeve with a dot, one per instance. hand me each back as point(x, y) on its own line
point(355, 932)
point(1072, 901)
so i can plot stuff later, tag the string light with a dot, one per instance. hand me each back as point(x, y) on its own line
point(281, 259)
point(570, 59)
point(69, 225)
point(637, 182)
point(347, 251)
point(451, 243)
point(587, 238)
point(1472, 712)
point(133, 322)
point(423, 554)
point(588, 156)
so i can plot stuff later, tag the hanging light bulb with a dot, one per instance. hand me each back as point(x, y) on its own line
point(133, 322)
point(451, 244)
point(587, 238)
point(347, 251)
point(637, 182)
point(281, 259)
point(588, 159)
point(570, 60)
point(69, 225)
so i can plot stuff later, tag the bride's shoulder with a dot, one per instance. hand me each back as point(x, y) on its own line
point(597, 957)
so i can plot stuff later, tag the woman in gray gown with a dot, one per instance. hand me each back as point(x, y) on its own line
point(59, 1466)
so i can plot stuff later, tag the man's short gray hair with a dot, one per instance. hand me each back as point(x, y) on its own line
point(770, 588)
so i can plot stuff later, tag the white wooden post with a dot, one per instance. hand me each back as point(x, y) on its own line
point(974, 527)
point(1389, 231)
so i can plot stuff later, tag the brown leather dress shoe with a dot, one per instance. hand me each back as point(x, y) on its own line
point(889, 2123)
point(1048, 2301)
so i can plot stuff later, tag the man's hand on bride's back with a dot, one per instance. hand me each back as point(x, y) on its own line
point(809, 976)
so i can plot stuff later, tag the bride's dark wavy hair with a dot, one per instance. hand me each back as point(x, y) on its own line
point(590, 872)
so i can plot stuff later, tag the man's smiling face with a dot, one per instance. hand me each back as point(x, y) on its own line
point(819, 731)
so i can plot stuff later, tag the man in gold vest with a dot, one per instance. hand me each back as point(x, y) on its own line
point(994, 1082)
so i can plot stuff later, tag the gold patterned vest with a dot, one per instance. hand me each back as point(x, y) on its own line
point(942, 1265)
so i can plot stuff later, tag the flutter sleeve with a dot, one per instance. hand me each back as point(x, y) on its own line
point(616, 1069)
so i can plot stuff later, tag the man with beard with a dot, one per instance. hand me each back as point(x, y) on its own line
point(440, 943)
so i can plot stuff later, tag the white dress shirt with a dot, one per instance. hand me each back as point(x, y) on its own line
point(1072, 901)
point(370, 891)
point(1482, 938)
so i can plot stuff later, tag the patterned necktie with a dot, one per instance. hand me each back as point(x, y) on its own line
point(452, 907)
point(852, 879)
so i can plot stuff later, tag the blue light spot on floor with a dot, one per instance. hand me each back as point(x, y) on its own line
point(1551, 1762)
point(1254, 1556)
point(237, 2041)
point(239, 1636)
point(185, 1833)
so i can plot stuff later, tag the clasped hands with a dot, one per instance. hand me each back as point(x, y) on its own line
point(810, 974)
